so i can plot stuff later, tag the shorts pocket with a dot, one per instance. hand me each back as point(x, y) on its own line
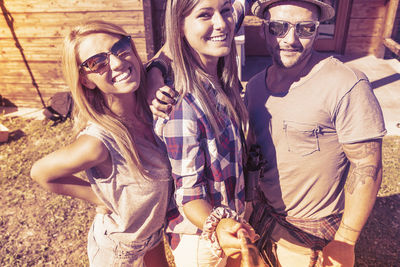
point(128, 253)
point(132, 253)
point(301, 138)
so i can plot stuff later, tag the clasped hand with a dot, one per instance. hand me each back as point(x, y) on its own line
point(236, 241)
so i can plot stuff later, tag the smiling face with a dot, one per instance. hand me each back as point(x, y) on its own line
point(208, 29)
point(120, 76)
point(290, 50)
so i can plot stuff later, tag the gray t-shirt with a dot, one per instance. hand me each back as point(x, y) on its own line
point(301, 134)
point(138, 204)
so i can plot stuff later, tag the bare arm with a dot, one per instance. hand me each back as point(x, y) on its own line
point(160, 97)
point(56, 172)
point(362, 185)
point(197, 211)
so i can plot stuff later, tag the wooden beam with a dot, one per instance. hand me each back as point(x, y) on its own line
point(388, 26)
point(148, 28)
point(392, 45)
point(158, 20)
point(390, 18)
point(342, 23)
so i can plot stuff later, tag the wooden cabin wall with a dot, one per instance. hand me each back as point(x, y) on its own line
point(39, 27)
point(366, 27)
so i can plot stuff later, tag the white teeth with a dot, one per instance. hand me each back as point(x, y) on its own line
point(122, 76)
point(219, 38)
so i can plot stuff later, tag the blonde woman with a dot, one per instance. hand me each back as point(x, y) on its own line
point(203, 134)
point(127, 168)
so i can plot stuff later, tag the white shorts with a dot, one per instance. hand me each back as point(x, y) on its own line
point(193, 251)
point(104, 251)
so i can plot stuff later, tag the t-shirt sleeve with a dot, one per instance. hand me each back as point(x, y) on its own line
point(181, 137)
point(358, 116)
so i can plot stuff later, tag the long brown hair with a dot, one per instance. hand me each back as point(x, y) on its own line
point(189, 74)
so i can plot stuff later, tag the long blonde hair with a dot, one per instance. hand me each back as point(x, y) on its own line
point(90, 104)
point(191, 77)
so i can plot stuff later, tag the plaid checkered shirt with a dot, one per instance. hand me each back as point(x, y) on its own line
point(204, 166)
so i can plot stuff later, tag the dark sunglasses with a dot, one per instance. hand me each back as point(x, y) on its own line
point(303, 29)
point(98, 62)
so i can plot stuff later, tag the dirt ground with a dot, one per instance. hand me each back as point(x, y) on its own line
point(38, 228)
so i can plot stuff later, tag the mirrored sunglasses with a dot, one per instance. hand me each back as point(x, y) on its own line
point(98, 62)
point(303, 29)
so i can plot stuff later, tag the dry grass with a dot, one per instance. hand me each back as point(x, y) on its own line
point(40, 228)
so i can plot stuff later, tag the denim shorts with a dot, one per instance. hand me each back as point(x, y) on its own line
point(106, 251)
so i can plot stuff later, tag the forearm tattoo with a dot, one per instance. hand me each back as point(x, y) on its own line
point(359, 175)
point(363, 167)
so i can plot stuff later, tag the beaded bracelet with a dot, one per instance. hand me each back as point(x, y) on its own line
point(209, 234)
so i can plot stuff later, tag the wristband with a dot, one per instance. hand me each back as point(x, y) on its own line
point(345, 226)
point(349, 241)
point(209, 234)
point(159, 64)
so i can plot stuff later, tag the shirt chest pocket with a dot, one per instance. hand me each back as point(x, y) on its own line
point(301, 138)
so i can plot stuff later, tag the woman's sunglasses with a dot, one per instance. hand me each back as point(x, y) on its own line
point(303, 29)
point(98, 62)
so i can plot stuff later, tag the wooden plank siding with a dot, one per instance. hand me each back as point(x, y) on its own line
point(366, 27)
point(40, 27)
point(22, 6)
